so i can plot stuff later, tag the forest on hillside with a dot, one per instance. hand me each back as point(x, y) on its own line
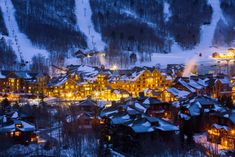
point(141, 25)
point(49, 24)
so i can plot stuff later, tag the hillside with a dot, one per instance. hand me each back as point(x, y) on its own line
point(58, 28)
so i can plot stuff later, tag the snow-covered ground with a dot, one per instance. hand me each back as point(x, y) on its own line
point(84, 22)
point(179, 56)
point(19, 41)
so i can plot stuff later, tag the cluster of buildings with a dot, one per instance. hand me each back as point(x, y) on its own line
point(142, 100)
point(17, 126)
point(80, 82)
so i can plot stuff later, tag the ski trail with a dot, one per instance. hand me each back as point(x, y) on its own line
point(84, 23)
point(207, 33)
point(19, 41)
point(179, 56)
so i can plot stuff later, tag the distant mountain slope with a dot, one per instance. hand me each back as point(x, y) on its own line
point(141, 25)
point(225, 32)
point(19, 41)
point(83, 14)
point(124, 27)
point(49, 24)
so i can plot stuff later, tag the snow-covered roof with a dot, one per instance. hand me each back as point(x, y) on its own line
point(166, 126)
point(152, 101)
point(195, 109)
point(169, 78)
point(224, 80)
point(217, 126)
point(136, 75)
point(203, 82)
point(178, 93)
point(140, 107)
point(87, 70)
point(2, 76)
point(141, 126)
point(27, 126)
point(185, 84)
point(131, 111)
point(108, 111)
point(194, 84)
point(22, 74)
point(12, 127)
point(198, 103)
point(15, 115)
point(184, 116)
point(119, 118)
point(87, 102)
point(58, 81)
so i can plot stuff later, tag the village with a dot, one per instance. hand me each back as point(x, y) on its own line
point(135, 107)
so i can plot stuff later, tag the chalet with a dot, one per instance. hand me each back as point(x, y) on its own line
point(182, 84)
point(64, 86)
point(18, 82)
point(12, 125)
point(158, 108)
point(222, 87)
point(199, 111)
point(135, 116)
point(223, 130)
point(175, 70)
point(87, 106)
point(83, 120)
point(142, 124)
point(173, 94)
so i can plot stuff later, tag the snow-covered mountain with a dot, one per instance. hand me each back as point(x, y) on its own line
point(57, 29)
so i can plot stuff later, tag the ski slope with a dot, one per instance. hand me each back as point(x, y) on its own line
point(84, 23)
point(166, 11)
point(19, 41)
point(179, 56)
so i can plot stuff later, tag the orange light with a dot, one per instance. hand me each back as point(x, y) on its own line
point(17, 133)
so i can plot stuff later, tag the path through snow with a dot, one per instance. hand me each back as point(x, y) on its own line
point(84, 22)
point(19, 41)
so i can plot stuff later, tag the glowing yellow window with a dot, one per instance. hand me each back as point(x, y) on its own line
point(17, 133)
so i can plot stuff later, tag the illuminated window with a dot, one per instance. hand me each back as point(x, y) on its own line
point(19, 125)
point(12, 80)
point(17, 133)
